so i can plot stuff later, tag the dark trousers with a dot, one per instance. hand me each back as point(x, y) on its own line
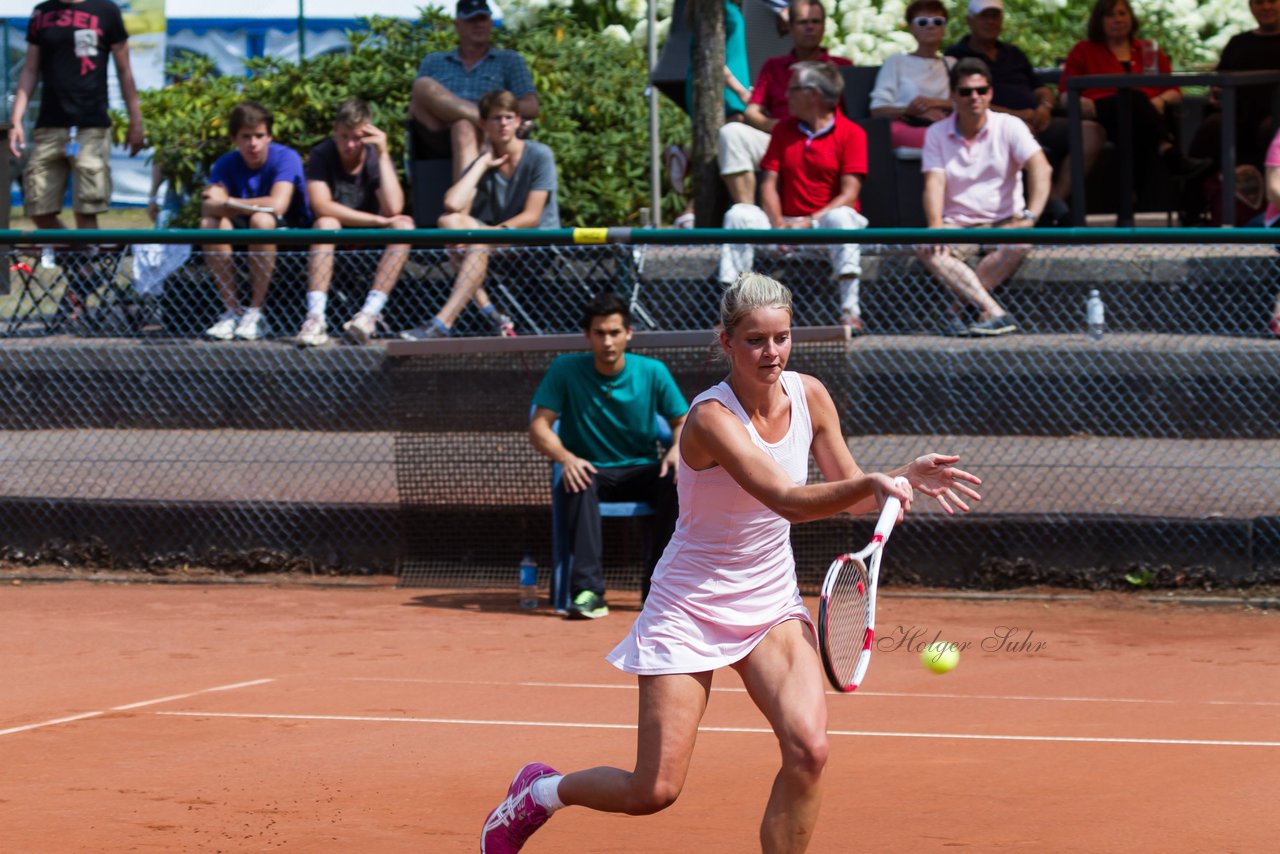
point(1150, 128)
point(582, 513)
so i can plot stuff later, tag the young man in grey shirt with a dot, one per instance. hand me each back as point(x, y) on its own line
point(512, 184)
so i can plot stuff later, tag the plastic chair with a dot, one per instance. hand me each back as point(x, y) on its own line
point(561, 553)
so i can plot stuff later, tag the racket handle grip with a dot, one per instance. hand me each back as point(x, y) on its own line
point(889, 515)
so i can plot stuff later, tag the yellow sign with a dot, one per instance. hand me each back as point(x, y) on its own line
point(590, 235)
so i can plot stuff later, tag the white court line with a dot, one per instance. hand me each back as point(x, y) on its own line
point(128, 706)
point(54, 722)
point(172, 697)
point(753, 730)
point(922, 694)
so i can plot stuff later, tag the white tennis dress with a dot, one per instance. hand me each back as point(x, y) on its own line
point(728, 575)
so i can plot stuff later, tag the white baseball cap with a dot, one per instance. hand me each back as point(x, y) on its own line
point(977, 7)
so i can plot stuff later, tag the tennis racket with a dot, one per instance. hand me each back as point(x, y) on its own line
point(847, 608)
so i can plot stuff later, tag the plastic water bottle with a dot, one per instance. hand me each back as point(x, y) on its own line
point(1095, 314)
point(528, 583)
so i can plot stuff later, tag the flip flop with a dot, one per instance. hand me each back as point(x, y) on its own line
point(677, 166)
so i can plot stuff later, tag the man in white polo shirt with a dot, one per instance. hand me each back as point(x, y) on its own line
point(973, 163)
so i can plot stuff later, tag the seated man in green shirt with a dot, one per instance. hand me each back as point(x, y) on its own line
point(606, 401)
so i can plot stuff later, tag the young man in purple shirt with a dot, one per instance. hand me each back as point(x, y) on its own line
point(259, 185)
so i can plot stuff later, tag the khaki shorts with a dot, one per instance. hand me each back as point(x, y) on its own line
point(968, 251)
point(742, 147)
point(44, 180)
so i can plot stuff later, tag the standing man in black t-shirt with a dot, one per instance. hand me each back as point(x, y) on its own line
point(352, 183)
point(67, 46)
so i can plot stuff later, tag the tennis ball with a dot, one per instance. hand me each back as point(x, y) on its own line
point(940, 656)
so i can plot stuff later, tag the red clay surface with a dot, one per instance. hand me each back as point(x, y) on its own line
point(389, 720)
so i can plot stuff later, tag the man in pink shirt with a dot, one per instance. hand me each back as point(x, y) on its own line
point(813, 172)
point(972, 163)
point(1271, 217)
point(742, 144)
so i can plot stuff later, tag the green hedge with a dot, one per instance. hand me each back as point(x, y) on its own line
point(591, 86)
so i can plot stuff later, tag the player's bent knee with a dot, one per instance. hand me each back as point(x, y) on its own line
point(654, 799)
point(807, 757)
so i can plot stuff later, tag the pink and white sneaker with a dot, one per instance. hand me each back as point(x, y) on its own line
point(510, 825)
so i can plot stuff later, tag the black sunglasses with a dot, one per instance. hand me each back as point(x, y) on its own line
point(966, 91)
point(929, 22)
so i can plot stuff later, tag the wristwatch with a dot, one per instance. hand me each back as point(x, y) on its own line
point(1027, 214)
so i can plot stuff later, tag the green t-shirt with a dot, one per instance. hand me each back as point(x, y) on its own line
point(609, 421)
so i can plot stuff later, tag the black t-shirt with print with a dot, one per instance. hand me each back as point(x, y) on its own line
point(75, 41)
point(359, 191)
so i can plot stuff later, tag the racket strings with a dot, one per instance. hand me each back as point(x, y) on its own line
point(847, 616)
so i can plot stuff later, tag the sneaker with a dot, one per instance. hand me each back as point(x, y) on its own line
point(361, 328)
point(429, 332)
point(225, 328)
point(252, 326)
point(953, 326)
point(502, 324)
point(588, 606)
point(513, 821)
point(314, 331)
point(1001, 324)
point(852, 323)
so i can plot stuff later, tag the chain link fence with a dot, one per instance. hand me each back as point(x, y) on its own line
point(1148, 455)
point(123, 291)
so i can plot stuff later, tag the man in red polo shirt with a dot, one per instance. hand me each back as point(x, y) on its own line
point(742, 144)
point(813, 171)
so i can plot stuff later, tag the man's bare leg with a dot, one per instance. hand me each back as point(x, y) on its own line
point(393, 259)
point(996, 268)
point(262, 260)
point(959, 278)
point(471, 273)
point(217, 257)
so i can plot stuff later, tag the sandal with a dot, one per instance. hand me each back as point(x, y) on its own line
point(677, 166)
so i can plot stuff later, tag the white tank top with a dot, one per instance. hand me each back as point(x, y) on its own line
point(730, 558)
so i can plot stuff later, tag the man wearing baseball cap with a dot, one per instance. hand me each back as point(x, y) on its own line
point(1018, 91)
point(451, 83)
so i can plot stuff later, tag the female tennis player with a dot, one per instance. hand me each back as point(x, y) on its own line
point(725, 591)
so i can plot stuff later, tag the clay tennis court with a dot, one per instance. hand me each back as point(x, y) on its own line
point(300, 718)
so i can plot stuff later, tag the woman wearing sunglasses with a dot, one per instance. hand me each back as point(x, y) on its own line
point(912, 88)
point(1112, 47)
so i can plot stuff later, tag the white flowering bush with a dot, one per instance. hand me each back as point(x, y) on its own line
point(1192, 32)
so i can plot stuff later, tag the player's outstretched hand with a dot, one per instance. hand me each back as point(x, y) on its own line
point(936, 476)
